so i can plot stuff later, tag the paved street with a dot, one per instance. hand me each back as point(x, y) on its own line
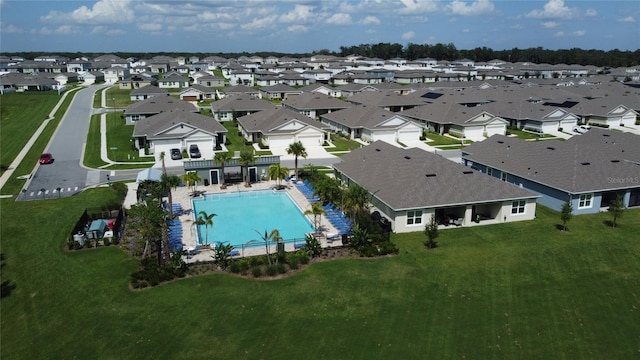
point(67, 148)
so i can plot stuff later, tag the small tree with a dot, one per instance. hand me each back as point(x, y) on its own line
point(221, 254)
point(431, 230)
point(566, 214)
point(297, 150)
point(273, 236)
point(207, 220)
point(316, 210)
point(222, 158)
point(616, 208)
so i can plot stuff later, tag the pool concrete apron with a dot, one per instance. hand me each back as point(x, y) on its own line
point(67, 145)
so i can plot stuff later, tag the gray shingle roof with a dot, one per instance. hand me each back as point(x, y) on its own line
point(363, 116)
point(156, 126)
point(398, 177)
point(266, 121)
point(314, 101)
point(585, 163)
point(149, 89)
point(158, 104)
point(240, 102)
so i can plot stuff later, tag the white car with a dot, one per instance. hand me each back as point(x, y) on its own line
point(581, 129)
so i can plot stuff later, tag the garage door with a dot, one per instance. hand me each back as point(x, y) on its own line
point(496, 130)
point(567, 125)
point(190, 98)
point(313, 140)
point(388, 136)
point(409, 135)
point(279, 141)
point(474, 132)
point(549, 127)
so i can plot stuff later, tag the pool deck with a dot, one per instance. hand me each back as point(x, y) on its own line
point(182, 195)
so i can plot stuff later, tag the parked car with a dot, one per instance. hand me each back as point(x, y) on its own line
point(46, 158)
point(581, 129)
point(176, 154)
point(194, 152)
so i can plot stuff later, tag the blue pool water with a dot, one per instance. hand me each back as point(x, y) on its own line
point(240, 214)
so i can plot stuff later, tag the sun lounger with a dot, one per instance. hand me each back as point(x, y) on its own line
point(234, 253)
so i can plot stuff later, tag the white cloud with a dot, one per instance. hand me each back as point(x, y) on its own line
point(476, 8)
point(298, 28)
point(300, 13)
point(64, 30)
point(628, 19)
point(579, 32)
point(552, 9)
point(260, 23)
point(559, 34)
point(466, 30)
point(12, 29)
point(517, 27)
point(339, 19)
point(370, 20)
point(550, 24)
point(408, 35)
point(591, 12)
point(102, 12)
point(414, 7)
point(150, 27)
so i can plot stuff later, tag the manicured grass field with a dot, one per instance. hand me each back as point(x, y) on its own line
point(22, 114)
point(517, 290)
point(343, 144)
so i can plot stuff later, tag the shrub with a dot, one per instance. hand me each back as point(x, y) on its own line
point(256, 271)
point(234, 267)
point(293, 261)
point(255, 261)
point(387, 247)
point(303, 257)
point(281, 268)
point(271, 270)
point(120, 189)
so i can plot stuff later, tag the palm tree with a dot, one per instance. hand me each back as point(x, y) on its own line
point(247, 158)
point(207, 220)
point(277, 172)
point(222, 158)
point(191, 178)
point(273, 236)
point(168, 182)
point(197, 223)
point(356, 201)
point(297, 149)
point(316, 210)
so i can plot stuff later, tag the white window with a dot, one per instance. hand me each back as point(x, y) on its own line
point(518, 207)
point(585, 201)
point(489, 171)
point(414, 217)
point(503, 176)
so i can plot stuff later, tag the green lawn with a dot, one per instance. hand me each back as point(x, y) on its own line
point(440, 140)
point(343, 144)
point(517, 290)
point(526, 134)
point(21, 114)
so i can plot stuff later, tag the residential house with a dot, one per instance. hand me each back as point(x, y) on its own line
point(115, 74)
point(389, 100)
point(317, 75)
point(136, 81)
point(279, 92)
point(234, 106)
point(473, 123)
point(173, 80)
point(197, 93)
point(91, 77)
point(178, 129)
point(65, 78)
point(410, 186)
point(210, 81)
point(371, 123)
point(322, 89)
point(143, 93)
point(314, 105)
point(280, 127)
point(155, 105)
point(589, 170)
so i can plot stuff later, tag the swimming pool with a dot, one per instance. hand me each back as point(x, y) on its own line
point(240, 214)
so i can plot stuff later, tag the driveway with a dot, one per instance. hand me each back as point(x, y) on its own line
point(67, 147)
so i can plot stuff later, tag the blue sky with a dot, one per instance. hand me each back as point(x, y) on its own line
point(303, 26)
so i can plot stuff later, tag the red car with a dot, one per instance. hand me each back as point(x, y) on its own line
point(46, 158)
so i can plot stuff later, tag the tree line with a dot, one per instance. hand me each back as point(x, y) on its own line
point(538, 55)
